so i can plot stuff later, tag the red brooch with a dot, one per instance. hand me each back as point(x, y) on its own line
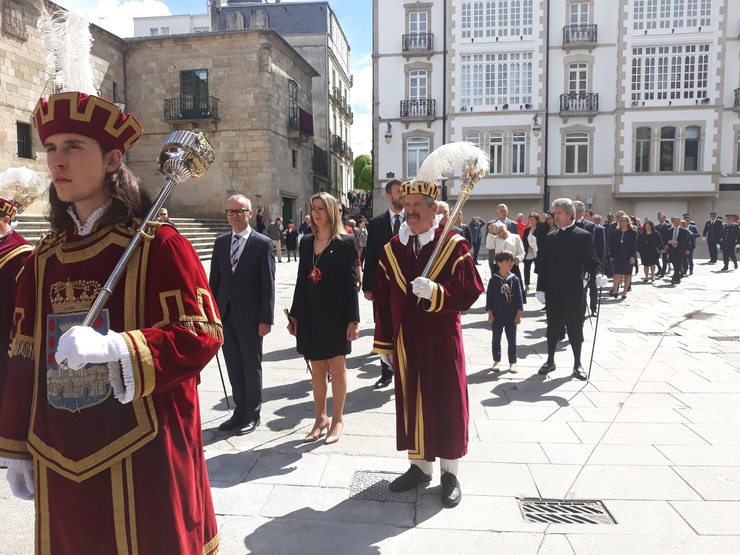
point(315, 275)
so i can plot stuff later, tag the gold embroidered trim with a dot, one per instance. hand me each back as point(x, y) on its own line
point(211, 548)
point(21, 347)
point(213, 330)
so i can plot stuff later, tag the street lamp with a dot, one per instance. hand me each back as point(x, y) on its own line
point(536, 127)
point(388, 134)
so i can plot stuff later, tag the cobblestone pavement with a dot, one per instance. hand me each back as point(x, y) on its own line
point(654, 435)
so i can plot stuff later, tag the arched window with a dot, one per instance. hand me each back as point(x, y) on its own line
point(417, 149)
point(259, 20)
point(642, 150)
point(473, 138)
point(667, 148)
point(235, 21)
point(496, 149)
point(691, 149)
point(518, 152)
point(576, 153)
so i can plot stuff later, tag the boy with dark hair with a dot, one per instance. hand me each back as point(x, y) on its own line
point(504, 306)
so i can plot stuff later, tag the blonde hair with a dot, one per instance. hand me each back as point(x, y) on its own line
point(333, 214)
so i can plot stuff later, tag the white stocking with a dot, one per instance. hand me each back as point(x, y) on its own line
point(427, 467)
point(449, 465)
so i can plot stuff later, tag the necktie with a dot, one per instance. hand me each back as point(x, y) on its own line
point(675, 234)
point(414, 246)
point(396, 224)
point(235, 251)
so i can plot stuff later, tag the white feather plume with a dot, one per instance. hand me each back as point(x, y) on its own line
point(450, 159)
point(22, 185)
point(68, 42)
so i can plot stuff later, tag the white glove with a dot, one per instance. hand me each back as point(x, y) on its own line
point(703, 238)
point(601, 280)
point(81, 345)
point(387, 359)
point(423, 287)
point(21, 482)
point(540, 296)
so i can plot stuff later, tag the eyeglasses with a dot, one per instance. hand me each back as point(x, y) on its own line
point(239, 212)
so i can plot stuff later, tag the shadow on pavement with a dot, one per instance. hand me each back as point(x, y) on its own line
point(507, 392)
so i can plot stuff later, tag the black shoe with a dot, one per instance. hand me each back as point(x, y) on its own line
point(384, 381)
point(546, 368)
point(231, 424)
point(723, 269)
point(413, 477)
point(579, 374)
point(451, 493)
point(736, 265)
point(248, 428)
point(594, 314)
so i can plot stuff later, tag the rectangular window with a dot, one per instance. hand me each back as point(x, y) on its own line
point(579, 13)
point(527, 17)
point(671, 14)
point(518, 152)
point(165, 31)
point(651, 15)
point(642, 150)
point(691, 149)
point(516, 19)
point(418, 22)
point(490, 19)
point(638, 15)
point(478, 28)
point(418, 85)
point(466, 11)
point(25, 148)
point(417, 149)
point(496, 79)
point(682, 72)
point(576, 153)
point(294, 158)
point(667, 148)
point(737, 162)
point(153, 32)
point(497, 152)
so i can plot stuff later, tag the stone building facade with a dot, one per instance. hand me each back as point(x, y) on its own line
point(237, 86)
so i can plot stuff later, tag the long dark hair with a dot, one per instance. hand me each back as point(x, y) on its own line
point(128, 198)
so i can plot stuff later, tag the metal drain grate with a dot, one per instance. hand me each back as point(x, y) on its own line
point(373, 486)
point(549, 511)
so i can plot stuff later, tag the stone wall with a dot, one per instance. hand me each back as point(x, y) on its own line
point(248, 71)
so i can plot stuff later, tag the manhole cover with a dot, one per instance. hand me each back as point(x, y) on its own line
point(564, 512)
point(373, 486)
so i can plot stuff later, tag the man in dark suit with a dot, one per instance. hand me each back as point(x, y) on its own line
point(599, 236)
point(677, 247)
point(243, 283)
point(665, 229)
point(730, 238)
point(380, 230)
point(712, 234)
point(567, 255)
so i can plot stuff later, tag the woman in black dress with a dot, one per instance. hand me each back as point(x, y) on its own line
point(623, 250)
point(291, 240)
point(325, 312)
point(649, 245)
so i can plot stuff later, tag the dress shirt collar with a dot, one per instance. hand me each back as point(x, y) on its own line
point(244, 234)
point(405, 233)
point(85, 230)
point(4, 235)
point(571, 224)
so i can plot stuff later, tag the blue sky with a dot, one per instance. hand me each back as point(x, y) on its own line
point(355, 16)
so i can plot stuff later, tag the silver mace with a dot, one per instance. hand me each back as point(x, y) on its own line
point(184, 155)
point(470, 177)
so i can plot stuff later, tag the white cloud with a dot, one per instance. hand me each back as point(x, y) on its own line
point(362, 103)
point(117, 16)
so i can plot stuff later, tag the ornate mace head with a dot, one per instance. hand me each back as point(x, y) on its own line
point(184, 155)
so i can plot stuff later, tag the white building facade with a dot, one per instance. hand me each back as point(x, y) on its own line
point(624, 104)
point(162, 26)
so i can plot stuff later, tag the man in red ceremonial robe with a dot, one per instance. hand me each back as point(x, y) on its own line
point(14, 250)
point(417, 331)
point(100, 425)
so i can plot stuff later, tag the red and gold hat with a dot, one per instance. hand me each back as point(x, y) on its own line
point(425, 188)
point(7, 207)
point(91, 116)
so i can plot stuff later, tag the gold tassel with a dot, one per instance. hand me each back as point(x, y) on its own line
point(21, 348)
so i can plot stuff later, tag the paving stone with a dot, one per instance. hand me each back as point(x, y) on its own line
point(630, 482)
point(715, 518)
point(713, 483)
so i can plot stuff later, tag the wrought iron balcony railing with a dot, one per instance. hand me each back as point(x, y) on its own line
point(580, 34)
point(418, 108)
point(579, 102)
point(418, 42)
point(191, 107)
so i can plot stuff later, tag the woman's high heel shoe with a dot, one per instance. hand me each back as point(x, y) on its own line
point(335, 433)
point(316, 433)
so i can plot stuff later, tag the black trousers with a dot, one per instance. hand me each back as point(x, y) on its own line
point(476, 250)
point(676, 257)
point(561, 309)
point(712, 244)
point(729, 254)
point(243, 356)
point(498, 327)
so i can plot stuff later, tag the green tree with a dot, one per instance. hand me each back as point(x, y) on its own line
point(365, 180)
point(358, 165)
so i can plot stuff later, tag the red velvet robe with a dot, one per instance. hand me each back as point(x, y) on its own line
point(14, 250)
point(425, 338)
point(112, 477)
